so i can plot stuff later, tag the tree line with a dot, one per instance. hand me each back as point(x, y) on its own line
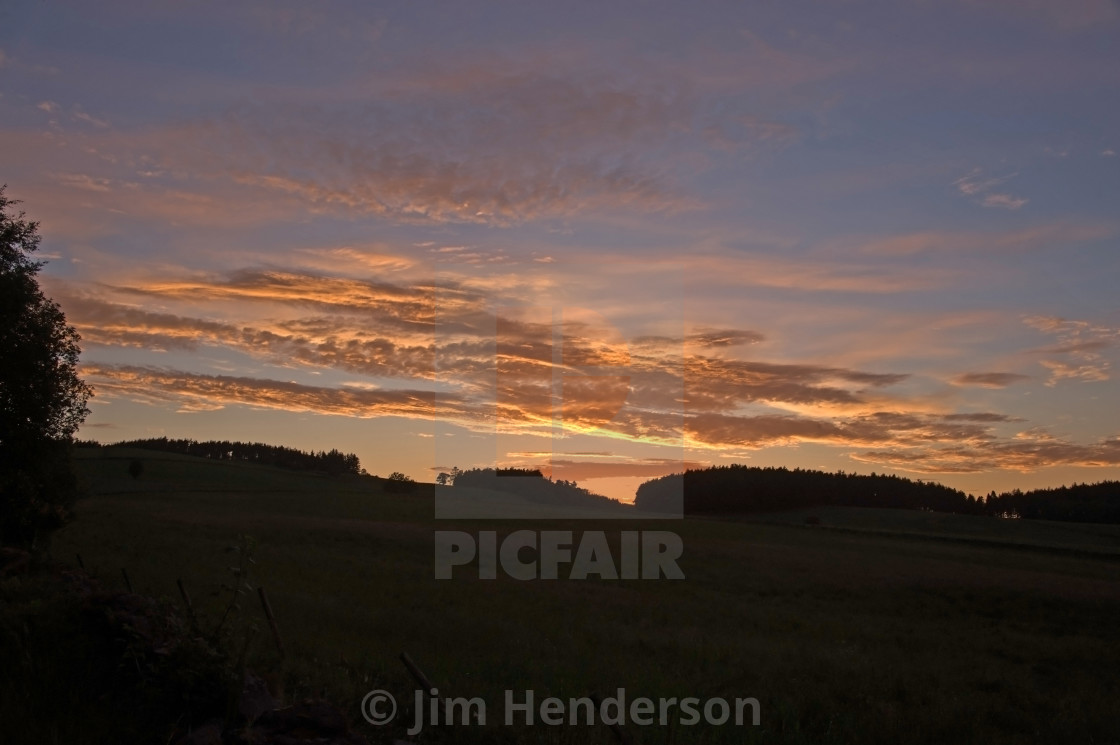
point(529, 483)
point(735, 489)
point(738, 489)
point(333, 462)
point(1082, 503)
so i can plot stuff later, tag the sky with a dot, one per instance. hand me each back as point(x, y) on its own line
point(611, 240)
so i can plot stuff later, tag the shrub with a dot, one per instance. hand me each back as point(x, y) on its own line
point(399, 483)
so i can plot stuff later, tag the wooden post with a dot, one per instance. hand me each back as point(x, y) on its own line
point(127, 584)
point(186, 601)
point(620, 734)
point(271, 621)
point(417, 674)
point(422, 680)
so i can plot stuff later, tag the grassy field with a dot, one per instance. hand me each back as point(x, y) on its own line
point(865, 632)
point(1061, 537)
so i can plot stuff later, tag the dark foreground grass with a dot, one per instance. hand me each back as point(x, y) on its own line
point(1059, 537)
point(843, 637)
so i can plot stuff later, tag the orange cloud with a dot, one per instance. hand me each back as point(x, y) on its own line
point(194, 392)
point(1079, 353)
point(721, 385)
point(1020, 454)
point(989, 379)
point(501, 373)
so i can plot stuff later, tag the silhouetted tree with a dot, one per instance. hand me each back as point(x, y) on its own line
point(399, 483)
point(42, 399)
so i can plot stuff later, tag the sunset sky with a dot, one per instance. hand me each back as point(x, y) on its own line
point(607, 238)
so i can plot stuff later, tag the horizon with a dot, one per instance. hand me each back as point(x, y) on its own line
point(609, 244)
point(629, 502)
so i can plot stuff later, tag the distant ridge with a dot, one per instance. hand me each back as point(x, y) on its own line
point(738, 489)
point(333, 462)
point(530, 484)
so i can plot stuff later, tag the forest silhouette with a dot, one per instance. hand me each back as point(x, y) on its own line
point(738, 489)
point(331, 462)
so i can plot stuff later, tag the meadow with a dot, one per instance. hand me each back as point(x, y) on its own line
point(874, 626)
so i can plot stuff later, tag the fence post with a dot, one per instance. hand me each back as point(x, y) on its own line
point(186, 601)
point(271, 620)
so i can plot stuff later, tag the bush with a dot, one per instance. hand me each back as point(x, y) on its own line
point(82, 665)
point(399, 483)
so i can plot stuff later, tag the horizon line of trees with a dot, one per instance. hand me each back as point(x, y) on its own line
point(525, 482)
point(1083, 503)
point(736, 488)
point(332, 462)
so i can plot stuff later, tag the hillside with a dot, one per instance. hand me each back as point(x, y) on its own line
point(1088, 538)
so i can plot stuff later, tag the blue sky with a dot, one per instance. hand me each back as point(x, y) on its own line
point(611, 239)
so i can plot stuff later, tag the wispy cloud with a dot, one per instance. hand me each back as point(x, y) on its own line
point(989, 379)
point(818, 274)
point(1069, 15)
point(1003, 200)
point(748, 131)
point(502, 147)
point(82, 116)
point(481, 139)
point(196, 392)
point(84, 181)
point(1043, 236)
point(704, 338)
point(1029, 452)
point(344, 260)
point(1079, 354)
point(975, 182)
point(1092, 372)
point(979, 186)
